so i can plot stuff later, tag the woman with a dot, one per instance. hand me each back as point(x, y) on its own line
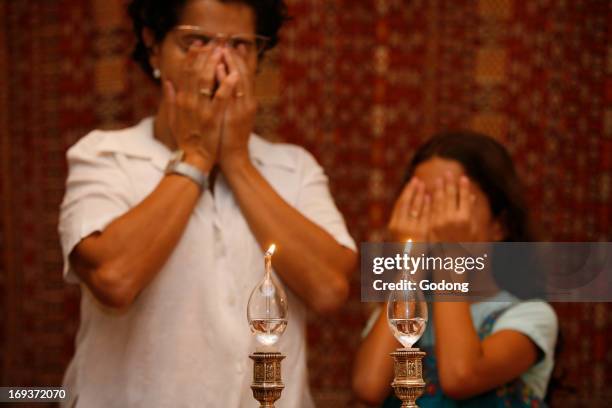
point(163, 223)
point(462, 187)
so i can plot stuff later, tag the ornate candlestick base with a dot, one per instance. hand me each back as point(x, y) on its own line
point(408, 382)
point(267, 383)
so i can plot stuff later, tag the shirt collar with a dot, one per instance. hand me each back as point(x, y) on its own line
point(138, 142)
point(266, 153)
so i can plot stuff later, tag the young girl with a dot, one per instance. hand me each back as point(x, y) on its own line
point(462, 187)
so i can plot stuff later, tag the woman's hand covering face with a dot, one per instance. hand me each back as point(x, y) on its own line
point(240, 111)
point(194, 113)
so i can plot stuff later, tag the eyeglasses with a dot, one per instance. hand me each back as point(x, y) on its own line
point(244, 44)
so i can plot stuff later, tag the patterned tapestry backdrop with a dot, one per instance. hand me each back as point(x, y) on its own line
point(358, 83)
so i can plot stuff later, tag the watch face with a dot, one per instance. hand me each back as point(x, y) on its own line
point(178, 155)
point(176, 158)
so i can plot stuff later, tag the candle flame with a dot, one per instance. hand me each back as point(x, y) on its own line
point(408, 246)
point(271, 250)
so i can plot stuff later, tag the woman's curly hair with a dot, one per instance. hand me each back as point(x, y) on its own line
point(162, 16)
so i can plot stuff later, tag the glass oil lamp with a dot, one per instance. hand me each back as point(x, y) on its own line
point(407, 318)
point(267, 312)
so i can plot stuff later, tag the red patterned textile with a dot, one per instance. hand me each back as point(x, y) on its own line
point(358, 83)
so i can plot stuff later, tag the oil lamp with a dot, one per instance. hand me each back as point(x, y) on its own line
point(267, 316)
point(407, 318)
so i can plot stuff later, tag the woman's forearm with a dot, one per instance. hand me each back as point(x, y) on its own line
point(119, 262)
point(310, 261)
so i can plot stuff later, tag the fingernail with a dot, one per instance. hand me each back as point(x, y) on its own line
point(464, 180)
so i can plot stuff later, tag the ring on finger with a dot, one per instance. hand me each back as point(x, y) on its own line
point(205, 92)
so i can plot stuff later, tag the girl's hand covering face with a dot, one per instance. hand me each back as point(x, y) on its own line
point(411, 213)
point(452, 216)
point(447, 215)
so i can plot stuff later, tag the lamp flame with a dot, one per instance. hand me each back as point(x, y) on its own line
point(408, 246)
point(271, 250)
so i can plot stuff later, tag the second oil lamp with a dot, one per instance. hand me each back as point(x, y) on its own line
point(407, 318)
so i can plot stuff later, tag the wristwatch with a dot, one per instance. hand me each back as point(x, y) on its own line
point(176, 165)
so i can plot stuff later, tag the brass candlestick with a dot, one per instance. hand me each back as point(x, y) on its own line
point(267, 383)
point(408, 382)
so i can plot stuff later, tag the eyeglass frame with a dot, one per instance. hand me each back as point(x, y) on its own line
point(226, 38)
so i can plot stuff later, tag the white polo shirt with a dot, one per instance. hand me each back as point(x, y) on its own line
point(185, 341)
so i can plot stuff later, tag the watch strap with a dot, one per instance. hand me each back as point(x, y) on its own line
point(176, 166)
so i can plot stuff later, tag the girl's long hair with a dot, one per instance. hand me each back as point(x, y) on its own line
point(488, 164)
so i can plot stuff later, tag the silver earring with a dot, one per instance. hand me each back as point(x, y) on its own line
point(156, 73)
